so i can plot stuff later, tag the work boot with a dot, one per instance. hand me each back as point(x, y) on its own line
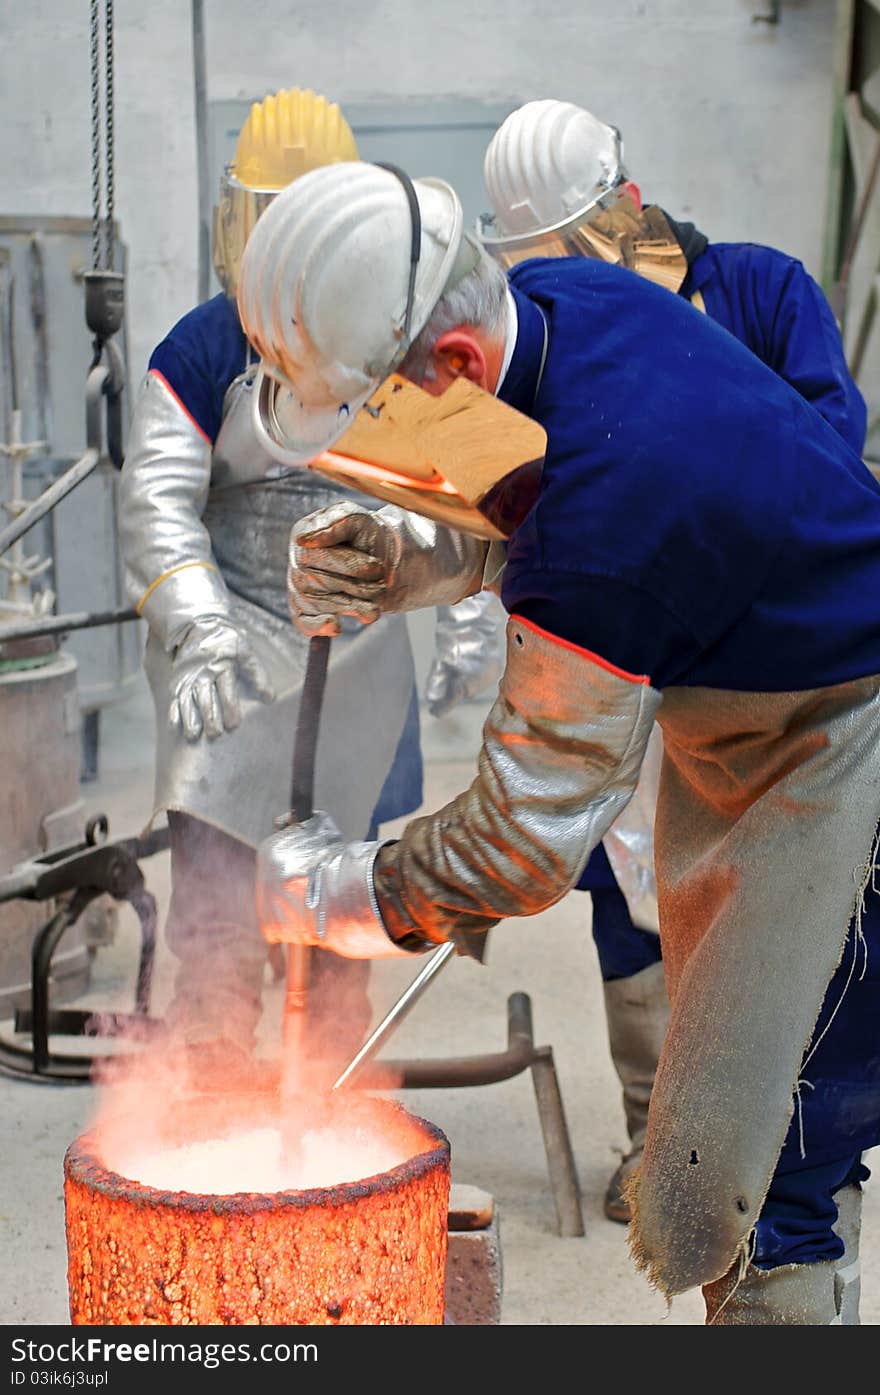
point(824, 1294)
point(847, 1273)
point(637, 1014)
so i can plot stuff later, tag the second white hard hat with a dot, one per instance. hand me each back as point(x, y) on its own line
point(547, 161)
point(334, 288)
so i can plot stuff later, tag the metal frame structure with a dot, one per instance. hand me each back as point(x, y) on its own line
point(76, 875)
point(851, 252)
point(456, 1071)
point(72, 877)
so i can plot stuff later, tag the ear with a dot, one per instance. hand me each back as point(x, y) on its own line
point(635, 193)
point(459, 354)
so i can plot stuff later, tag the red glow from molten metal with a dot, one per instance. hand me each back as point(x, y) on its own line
point(253, 1160)
point(182, 1206)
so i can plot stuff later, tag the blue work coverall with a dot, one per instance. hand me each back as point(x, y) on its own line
point(730, 543)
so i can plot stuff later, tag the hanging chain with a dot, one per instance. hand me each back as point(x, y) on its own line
point(102, 227)
point(96, 138)
point(108, 120)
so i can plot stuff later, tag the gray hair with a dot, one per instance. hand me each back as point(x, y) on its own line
point(479, 299)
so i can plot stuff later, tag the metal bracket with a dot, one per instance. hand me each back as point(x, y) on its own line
point(106, 380)
point(77, 875)
point(454, 1072)
point(521, 1055)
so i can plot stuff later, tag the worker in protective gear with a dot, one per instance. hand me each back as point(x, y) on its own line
point(468, 652)
point(558, 186)
point(205, 521)
point(694, 545)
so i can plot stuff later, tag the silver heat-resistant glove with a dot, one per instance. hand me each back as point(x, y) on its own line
point(314, 889)
point(349, 560)
point(469, 648)
point(171, 574)
point(209, 664)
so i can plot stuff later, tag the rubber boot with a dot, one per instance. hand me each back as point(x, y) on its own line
point(637, 1014)
point(824, 1294)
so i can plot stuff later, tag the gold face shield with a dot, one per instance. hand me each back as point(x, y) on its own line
point(610, 229)
point(235, 216)
point(464, 458)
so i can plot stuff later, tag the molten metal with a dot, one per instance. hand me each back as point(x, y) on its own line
point(367, 1251)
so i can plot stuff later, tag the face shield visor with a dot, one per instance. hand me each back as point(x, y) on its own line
point(610, 227)
point(464, 458)
point(235, 216)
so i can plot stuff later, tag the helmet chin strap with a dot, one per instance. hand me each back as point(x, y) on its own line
point(467, 257)
point(415, 249)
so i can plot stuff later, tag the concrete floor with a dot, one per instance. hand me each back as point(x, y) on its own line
point(494, 1131)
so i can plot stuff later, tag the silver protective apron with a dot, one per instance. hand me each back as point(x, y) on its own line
point(241, 781)
point(765, 839)
point(629, 842)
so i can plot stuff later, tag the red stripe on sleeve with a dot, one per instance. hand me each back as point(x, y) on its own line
point(587, 653)
point(186, 412)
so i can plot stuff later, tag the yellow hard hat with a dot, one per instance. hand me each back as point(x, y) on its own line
point(285, 135)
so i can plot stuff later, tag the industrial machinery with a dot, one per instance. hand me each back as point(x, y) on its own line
point(60, 572)
point(56, 869)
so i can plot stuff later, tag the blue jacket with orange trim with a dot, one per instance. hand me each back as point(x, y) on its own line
point(199, 358)
point(698, 521)
point(770, 302)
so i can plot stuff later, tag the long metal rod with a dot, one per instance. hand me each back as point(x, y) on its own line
point(392, 1019)
point(44, 946)
point(302, 796)
point(451, 1072)
point(521, 1055)
point(61, 624)
point(48, 499)
point(204, 196)
point(302, 781)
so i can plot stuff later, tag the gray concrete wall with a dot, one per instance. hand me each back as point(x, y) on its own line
point(725, 121)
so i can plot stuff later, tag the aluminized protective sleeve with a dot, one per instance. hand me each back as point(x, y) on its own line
point(313, 889)
point(562, 748)
point(428, 563)
point(170, 572)
point(376, 561)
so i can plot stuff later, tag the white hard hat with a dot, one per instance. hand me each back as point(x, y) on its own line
point(340, 274)
point(547, 161)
